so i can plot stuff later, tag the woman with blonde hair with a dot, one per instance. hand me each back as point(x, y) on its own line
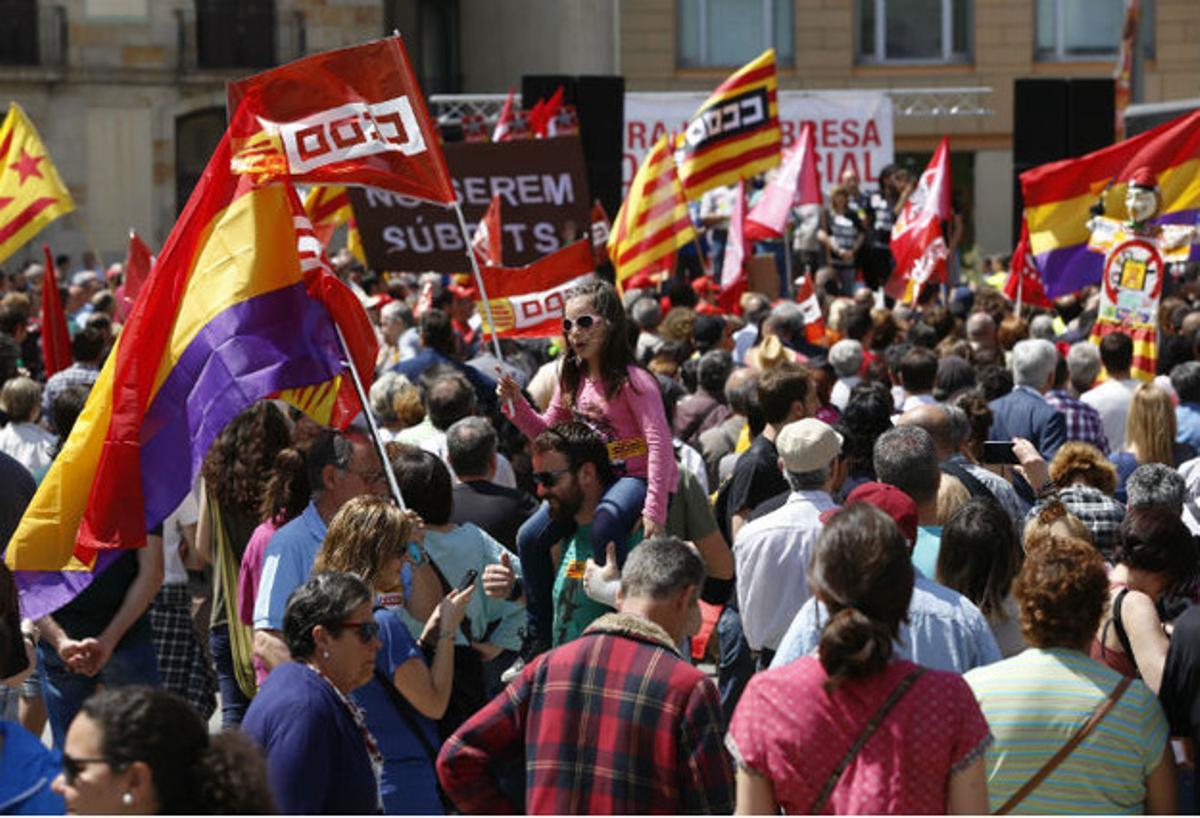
point(1149, 435)
point(372, 539)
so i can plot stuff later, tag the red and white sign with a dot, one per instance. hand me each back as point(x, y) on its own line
point(853, 129)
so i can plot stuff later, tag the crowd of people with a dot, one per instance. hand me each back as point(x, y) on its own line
point(940, 554)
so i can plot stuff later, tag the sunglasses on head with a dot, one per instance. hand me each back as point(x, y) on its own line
point(73, 767)
point(366, 630)
point(583, 322)
point(547, 479)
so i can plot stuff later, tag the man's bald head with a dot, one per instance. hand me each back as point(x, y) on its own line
point(935, 420)
point(981, 328)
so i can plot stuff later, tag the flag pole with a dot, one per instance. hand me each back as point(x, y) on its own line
point(1020, 290)
point(371, 424)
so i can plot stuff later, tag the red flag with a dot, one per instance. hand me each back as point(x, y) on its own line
point(527, 302)
point(56, 341)
point(487, 241)
point(353, 116)
point(798, 183)
point(502, 132)
point(917, 241)
point(138, 262)
point(1023, 275)
point(542, 113)
point(601, 230)
point(810, 306)
point(733, 276)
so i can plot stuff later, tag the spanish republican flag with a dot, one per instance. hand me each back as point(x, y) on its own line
point(238, 307)
point(735, 134)
point(1058, 197)
point(31, 193)
point(653, 221)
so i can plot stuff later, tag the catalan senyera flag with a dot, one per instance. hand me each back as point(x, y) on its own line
point(1059, 195)
point(31, 193)
point(735, 134)
point(239, 307)
point(653, 221)
point(328, 208)
point(527, 302)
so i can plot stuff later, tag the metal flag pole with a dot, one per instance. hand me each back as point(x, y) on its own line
point(1020, 288)
point(487, 304)
point(371, 424)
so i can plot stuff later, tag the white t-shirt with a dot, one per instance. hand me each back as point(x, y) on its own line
point(1111, 399)
point(188, 513)
point(28, 444)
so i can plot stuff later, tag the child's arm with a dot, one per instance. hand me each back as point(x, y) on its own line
point(524, 416)
point(662, 474)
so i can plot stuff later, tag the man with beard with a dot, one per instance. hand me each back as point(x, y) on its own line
point(572, 472)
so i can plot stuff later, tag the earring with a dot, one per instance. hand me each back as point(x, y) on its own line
point(127, 799)
point(325, 654)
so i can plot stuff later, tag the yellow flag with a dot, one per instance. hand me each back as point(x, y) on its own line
point(31, 193)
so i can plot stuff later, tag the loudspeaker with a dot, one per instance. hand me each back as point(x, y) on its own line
point(1057, 119)
point(600, 105)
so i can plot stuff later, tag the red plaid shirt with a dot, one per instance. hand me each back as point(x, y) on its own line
point(612, 723)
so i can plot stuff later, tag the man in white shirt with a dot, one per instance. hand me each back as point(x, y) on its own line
point(1112, 398)
point(771, 553)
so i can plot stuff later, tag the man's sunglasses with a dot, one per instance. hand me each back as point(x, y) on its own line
point(548, 479)
point(73, 767)
point(366, 630)
point(584, 322)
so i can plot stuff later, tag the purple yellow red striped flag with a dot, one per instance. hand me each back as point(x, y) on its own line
point(239, 307)
point(653, 221)
point(735, 134)
point(31, 193)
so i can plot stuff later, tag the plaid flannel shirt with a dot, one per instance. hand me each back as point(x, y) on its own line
point(1099, 512)
point(1083, 421)
point(612, 723)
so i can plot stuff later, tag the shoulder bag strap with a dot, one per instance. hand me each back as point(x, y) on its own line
point(863, 737)
point(1099, 713)
point(1119, 626)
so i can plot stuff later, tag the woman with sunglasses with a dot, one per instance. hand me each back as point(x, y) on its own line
point(141, 751)
point(321, 758)
point(599, 385)
point(371, 538)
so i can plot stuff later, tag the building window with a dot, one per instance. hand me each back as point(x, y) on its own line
point(730, 33)
point(235, 33)
point(914, 31)
point(196, 137)
point(1088, 29)
point(18, 32)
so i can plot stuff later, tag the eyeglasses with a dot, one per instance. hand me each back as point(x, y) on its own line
point(583, 322)
point(547, 479)
point(369, 477)
point(366, 630)
point(73, 767)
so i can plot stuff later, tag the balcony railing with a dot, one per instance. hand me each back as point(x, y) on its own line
point(32, 35)
point(218, 35)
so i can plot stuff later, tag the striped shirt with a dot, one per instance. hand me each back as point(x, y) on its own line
point(1035, 701)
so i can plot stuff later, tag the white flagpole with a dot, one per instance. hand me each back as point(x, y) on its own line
point(374, 428)
point(1020, 290)
point(487, 305)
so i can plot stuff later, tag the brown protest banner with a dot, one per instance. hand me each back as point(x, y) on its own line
point(543, 187)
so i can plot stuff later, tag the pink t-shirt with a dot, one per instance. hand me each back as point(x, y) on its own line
point(249, 574)
point(633, 424)
point(789, 729)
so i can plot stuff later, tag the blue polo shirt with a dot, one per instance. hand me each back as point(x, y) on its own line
point(287, 563)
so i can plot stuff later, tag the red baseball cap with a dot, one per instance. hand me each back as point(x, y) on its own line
point(893, 502)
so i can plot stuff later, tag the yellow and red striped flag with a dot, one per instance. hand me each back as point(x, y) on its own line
point(653, 220)
point(31, 193)
point(735, 133)
point(328, 207)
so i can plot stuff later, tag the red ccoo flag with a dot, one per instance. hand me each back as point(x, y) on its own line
point(488, 240)
point(56, 341)
point(917, 241)
point(798, 183)
point(503, 130)
point(543, 112)
point(138, 262)
point(527, 302)
point(810, 307)
point(1024, 284)
point(354, 116)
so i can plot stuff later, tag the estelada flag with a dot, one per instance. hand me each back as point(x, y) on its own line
point(239, 308)
point(488, 241)
point(527, 302)
point(653, 220)
point(355, 116)
point(1024, 282)
point(918, 244)
point(56, 340)
point(735, 134)
point(798, 182)
point(138, 263)
point(601, 229)
point(31, 193)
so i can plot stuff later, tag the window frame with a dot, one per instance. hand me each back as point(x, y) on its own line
point(878, 54)
point(703, 61)
point(1059, 54)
